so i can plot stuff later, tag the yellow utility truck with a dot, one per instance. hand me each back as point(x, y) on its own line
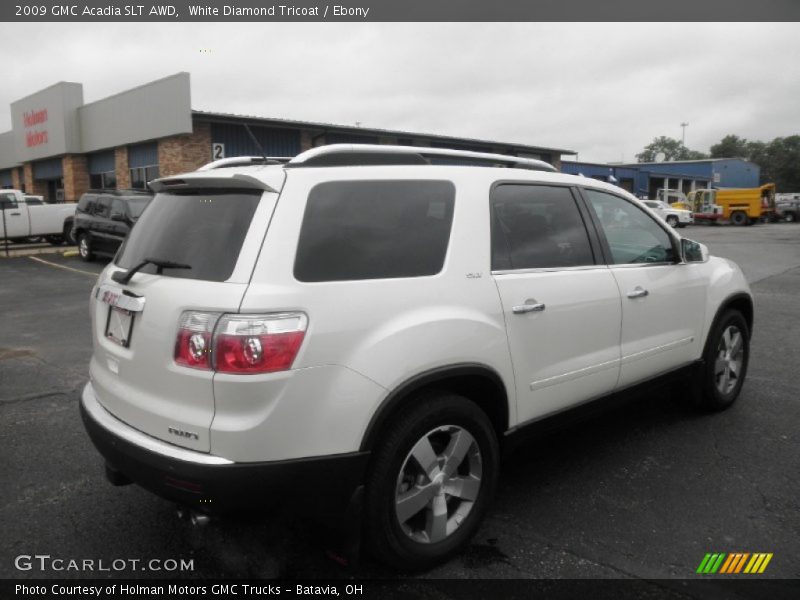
point(739, 206)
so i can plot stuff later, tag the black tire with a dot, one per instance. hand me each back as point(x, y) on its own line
point(739, 218)
point(681, 225)
point(790, 217)
point(85, 247)
point(706, 391)
point(67, 234)
point(435, 423)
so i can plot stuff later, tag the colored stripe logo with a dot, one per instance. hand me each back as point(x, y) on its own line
point(734, 563)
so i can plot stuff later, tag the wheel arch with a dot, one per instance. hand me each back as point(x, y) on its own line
point(741, 302)
point(479, 383)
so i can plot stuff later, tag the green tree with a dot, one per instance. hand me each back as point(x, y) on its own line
point(673, 150)
point(782, 164)
point(731, 146)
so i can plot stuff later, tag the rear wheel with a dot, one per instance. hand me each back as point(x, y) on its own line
point(739, 218)
point(430, 483)
point(726, 357)
point(85, 247)
point(790, 217)
point(67, 233)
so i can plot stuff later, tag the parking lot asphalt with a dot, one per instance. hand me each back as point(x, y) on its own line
point(644, 491)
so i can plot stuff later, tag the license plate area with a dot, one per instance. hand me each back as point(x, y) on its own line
point(119, 326)
point(122, 310)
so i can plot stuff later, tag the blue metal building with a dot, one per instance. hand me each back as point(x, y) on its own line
point(643, 179)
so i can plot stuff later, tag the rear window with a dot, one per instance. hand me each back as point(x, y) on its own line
point(202, 230)
point(136, 206)
point(374, 230)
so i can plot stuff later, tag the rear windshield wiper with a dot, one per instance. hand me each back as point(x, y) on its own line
point(125, 276)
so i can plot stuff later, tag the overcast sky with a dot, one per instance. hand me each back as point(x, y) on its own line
point(603, 90)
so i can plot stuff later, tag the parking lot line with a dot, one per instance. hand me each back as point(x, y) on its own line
point(47, 262)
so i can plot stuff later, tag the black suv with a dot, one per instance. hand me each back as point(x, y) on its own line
point(103, 220)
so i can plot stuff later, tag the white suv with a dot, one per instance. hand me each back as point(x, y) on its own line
point(365, 327)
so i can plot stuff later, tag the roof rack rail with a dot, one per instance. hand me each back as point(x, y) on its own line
point(239, 161)
point(340, 155)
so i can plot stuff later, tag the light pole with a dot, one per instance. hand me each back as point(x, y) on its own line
point(683, 134)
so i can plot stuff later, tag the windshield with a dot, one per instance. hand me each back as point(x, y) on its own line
point(136, 206)
point(202, 229)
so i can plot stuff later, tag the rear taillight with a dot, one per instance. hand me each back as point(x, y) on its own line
point(193, 345)
point(258, 343)
point(239, 343)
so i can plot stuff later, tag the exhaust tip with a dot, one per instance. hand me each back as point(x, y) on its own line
point(200, 519)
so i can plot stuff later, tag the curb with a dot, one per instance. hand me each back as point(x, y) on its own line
point(18, 252)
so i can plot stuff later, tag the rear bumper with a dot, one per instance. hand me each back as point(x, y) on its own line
point(323, 485)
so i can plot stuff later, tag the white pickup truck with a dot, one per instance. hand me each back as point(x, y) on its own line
point(21, 221)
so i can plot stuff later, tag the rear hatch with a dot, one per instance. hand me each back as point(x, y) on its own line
point(193, 249)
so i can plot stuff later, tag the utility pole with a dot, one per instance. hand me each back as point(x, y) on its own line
point(683, 135)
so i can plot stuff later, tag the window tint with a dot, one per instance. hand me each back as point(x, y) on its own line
point(31, 201)
point(103, 207)
point(537, 226)
point(204, 231)
point(632, 235)
point(8, 201)
point(374, 230)
point(117, 207)
point(136, 206)
point(87, 202)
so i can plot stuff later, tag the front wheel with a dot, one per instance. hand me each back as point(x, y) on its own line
point(790, 217)
point(431, 482)
point(672, 221)
point(726, 357)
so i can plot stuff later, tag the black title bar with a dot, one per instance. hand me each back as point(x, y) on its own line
point(402, 10)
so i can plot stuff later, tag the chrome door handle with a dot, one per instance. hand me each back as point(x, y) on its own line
point(526, 308)
point(638, 292)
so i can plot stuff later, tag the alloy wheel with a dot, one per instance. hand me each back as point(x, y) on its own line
point(438, 484)
point(730, 359)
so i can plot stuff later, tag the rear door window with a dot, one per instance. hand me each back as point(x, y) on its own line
point(136, 206)
point(199, 229)
point(117, 207)
point(103, 207)
point(374, 230)
point(537, 227)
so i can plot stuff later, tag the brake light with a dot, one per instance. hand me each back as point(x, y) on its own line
point(258, 343)
point(193, 344)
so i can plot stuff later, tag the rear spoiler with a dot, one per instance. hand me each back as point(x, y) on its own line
point(235, 182)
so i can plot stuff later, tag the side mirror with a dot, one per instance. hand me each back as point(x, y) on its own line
point(693, 251)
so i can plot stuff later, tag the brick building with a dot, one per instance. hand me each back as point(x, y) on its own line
point(59, 147)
